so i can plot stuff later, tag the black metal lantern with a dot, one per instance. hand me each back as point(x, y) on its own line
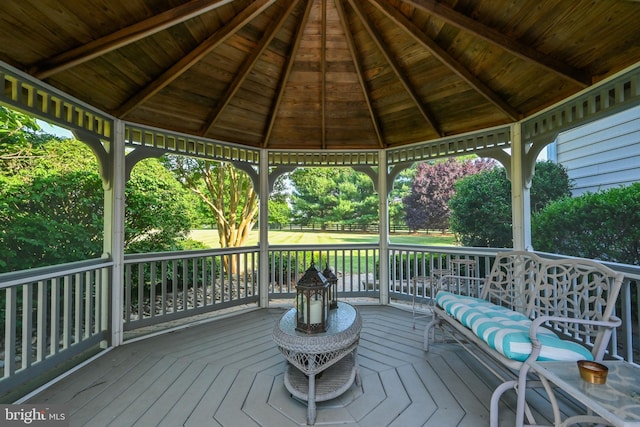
point(312, 302)
point(333, 289)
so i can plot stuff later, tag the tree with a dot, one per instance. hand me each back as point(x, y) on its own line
point(427, 204)
point(333, 195)
point(159, 211)
point(401, 189)
point(357, 202)
point(21, 139)
point(225, 190)
point(481, 206)
point(51, 209)
point(314, 195)
point(16, 131)
point(50, 218)
point(279, 209)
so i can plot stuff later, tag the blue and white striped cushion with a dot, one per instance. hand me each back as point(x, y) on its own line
point(507, 331)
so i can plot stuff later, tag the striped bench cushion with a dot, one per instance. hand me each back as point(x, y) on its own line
point(507, 331)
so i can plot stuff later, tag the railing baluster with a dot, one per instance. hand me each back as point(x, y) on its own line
point(128, 293)
point(11, 323)
point(55, 316)
point(27, 324)
point(78, 307)
point(88, 303)
point(163, 288)
point(635, 345)
point(66, 323)
point(153, 282)
point(41, 327)
point(194, 281)
point(175, 286)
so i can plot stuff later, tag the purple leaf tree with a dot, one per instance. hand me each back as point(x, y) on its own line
point(426, 206)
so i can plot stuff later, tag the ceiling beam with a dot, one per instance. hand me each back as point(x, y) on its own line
point(323, 73)
point(359, 71)
point(395, 67)
point(521, 50)
point(447, 60)
point(284, 76)
point(124, 36)
point(186, 62)
point(243, 72)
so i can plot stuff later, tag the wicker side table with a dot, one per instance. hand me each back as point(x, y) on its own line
point(332, 353)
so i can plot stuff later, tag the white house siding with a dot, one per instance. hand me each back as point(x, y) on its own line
point(602, 154)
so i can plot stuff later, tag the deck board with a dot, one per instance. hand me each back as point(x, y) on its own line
point(229, 372)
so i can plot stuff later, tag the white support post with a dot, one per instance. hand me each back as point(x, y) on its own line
point(383, 227)
point(114, 232)
point(520, 191)
point(263, 273)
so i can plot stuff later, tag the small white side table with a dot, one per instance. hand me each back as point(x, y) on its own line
point(332, 353)
point(616, 403)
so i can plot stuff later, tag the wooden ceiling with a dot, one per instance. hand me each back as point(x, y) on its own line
point(320, 74)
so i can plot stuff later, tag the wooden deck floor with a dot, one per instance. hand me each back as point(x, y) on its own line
point(229, 372)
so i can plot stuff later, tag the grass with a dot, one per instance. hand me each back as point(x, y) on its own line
point(290, 238)
point(210, 238)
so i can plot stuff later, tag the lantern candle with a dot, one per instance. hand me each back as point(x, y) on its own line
point(312, 302)
point(315, 312)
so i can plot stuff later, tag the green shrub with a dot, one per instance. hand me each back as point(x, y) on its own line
point(603, 225)
point(481, 210)
point(481, 206)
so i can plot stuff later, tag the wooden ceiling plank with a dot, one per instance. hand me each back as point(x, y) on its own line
point(124, 37)
point(428, 117)
point(186, 62)
point(444, 57)
point(287, 72)
point(509, 44)
point(323, 67)
point(359, 71)
point(242, 74)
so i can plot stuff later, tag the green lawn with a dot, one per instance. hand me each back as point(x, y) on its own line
point(210, 238)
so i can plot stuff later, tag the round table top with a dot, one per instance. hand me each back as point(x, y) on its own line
point(345, 324)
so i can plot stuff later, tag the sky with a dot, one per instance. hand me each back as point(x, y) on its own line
point(54, 130)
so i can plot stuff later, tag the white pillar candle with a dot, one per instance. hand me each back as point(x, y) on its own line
point(315, 312)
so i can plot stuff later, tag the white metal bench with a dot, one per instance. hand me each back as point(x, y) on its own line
point(544, 310)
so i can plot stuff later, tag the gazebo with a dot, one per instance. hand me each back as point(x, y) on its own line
point(271, 85)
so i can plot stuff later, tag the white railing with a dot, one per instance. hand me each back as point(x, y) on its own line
point(165, 286)
point(356, 266)
point(409, 261)
point(50, 315)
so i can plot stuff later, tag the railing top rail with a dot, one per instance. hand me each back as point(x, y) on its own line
point(168, 256)
point(325, 247)
point(630, 271)
point(449, 249)
point(44, 273)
